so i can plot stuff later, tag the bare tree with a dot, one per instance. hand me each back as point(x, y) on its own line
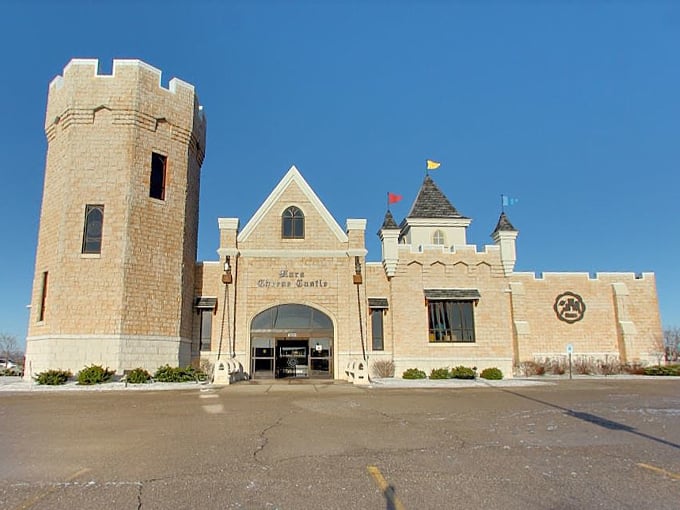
point(8, 346)
point(671, 340)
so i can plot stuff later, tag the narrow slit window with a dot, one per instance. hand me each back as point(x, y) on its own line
point(158, 170)
point(43, 297)
point(92, 231)
point(377, 329)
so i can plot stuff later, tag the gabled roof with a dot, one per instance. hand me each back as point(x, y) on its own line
point(432, 203)
point(504, 224)
point(292, 176)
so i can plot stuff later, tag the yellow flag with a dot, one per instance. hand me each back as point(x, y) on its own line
point(432, 165)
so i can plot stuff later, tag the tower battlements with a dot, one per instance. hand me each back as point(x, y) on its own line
point(132, 93)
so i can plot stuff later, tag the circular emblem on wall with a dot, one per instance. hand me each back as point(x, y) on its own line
point(291, 362)
point(569, 307)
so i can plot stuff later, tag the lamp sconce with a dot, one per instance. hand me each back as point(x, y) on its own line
point(356, 277)
point(226, 276)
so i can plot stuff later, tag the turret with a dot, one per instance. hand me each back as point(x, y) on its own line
point(505, 235)
point(389, 238)
point(117, 240)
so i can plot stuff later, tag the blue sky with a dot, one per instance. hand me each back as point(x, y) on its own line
point(571, 107)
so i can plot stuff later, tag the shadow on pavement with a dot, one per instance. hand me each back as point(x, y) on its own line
point(593, 418)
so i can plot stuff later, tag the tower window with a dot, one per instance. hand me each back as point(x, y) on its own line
point(438, 237)
point(293, 223)
point(43, 297)
point(157, 182)
point(92, 231)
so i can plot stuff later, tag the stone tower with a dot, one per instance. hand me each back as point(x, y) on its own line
point(114, 273)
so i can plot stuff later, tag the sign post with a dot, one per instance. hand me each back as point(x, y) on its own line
point(570, 350)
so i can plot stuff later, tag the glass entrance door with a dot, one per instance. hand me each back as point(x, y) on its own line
point(292, 358)
point(321, 357)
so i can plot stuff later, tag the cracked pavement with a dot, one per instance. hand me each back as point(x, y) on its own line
point(571, 444)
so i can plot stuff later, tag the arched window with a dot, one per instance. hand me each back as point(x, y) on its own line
point(92, 233)
point(293, 223)
point(438, 237)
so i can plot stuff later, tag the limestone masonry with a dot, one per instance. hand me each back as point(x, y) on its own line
point(117, 283)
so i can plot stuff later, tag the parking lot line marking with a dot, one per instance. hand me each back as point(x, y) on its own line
point(385, 488)
point(659, 470)
point(43, 494)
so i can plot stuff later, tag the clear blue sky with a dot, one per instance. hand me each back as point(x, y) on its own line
point(571, 107)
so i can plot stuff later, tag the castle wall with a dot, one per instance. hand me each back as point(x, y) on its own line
point(620, 320)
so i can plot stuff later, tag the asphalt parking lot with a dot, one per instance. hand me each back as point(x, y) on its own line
point(567, 444)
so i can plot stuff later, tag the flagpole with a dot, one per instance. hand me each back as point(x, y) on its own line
point(502, 204)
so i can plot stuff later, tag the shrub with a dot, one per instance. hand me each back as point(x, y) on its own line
point(669, 370)
point(53, 377)
point(633, 368)
point(531, 368)
point(94, 374)
point(440, 373)
point(166, 373)
point(383, 368)
point(462, 372)
point(413, 373)
point(138, 376)
point(493, 374)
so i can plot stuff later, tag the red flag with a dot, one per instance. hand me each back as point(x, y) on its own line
point(393, 198)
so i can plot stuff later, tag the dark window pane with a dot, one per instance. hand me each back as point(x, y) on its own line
point(92, 230)
point(451, 321)
point(293, 223)
point(157, 181)
point(206, 329)
point(377, 329)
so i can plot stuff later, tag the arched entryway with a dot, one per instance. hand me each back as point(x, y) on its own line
point(291, 340)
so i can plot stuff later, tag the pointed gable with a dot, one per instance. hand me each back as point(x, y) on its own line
point(293, 180)
point(432, 203)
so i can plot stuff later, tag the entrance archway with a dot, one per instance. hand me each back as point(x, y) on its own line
point(291, 340)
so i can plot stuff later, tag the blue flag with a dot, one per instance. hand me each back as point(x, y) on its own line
point(509, 201)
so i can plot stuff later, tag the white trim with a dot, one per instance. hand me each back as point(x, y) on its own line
point(292, 176)
point(300, 253)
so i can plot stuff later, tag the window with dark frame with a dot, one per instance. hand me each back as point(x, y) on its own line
point(293, 223)
point(451, 321)
point(377, 334)
point(206, 329)
point(43, 297)
point(92, 230)
point(157, 181)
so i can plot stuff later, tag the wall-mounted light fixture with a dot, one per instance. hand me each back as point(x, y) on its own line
point(357, 272)
point(226, 276)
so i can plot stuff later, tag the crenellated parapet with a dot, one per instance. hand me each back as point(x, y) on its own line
point(466, 258)
point(132, 95)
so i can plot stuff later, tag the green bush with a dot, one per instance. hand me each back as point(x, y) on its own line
point(138, 376)
point(414, 373)
point(94, 374)
point(166, 373)
point(440, 373)
point(462, 373)
point(53, 377)
point(669, 370)
point(493, 374)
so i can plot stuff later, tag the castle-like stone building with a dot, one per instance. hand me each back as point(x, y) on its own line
point(291, 295)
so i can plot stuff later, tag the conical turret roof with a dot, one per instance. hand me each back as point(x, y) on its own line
point(388, 222)
point(504, 224)
point(432, 203)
